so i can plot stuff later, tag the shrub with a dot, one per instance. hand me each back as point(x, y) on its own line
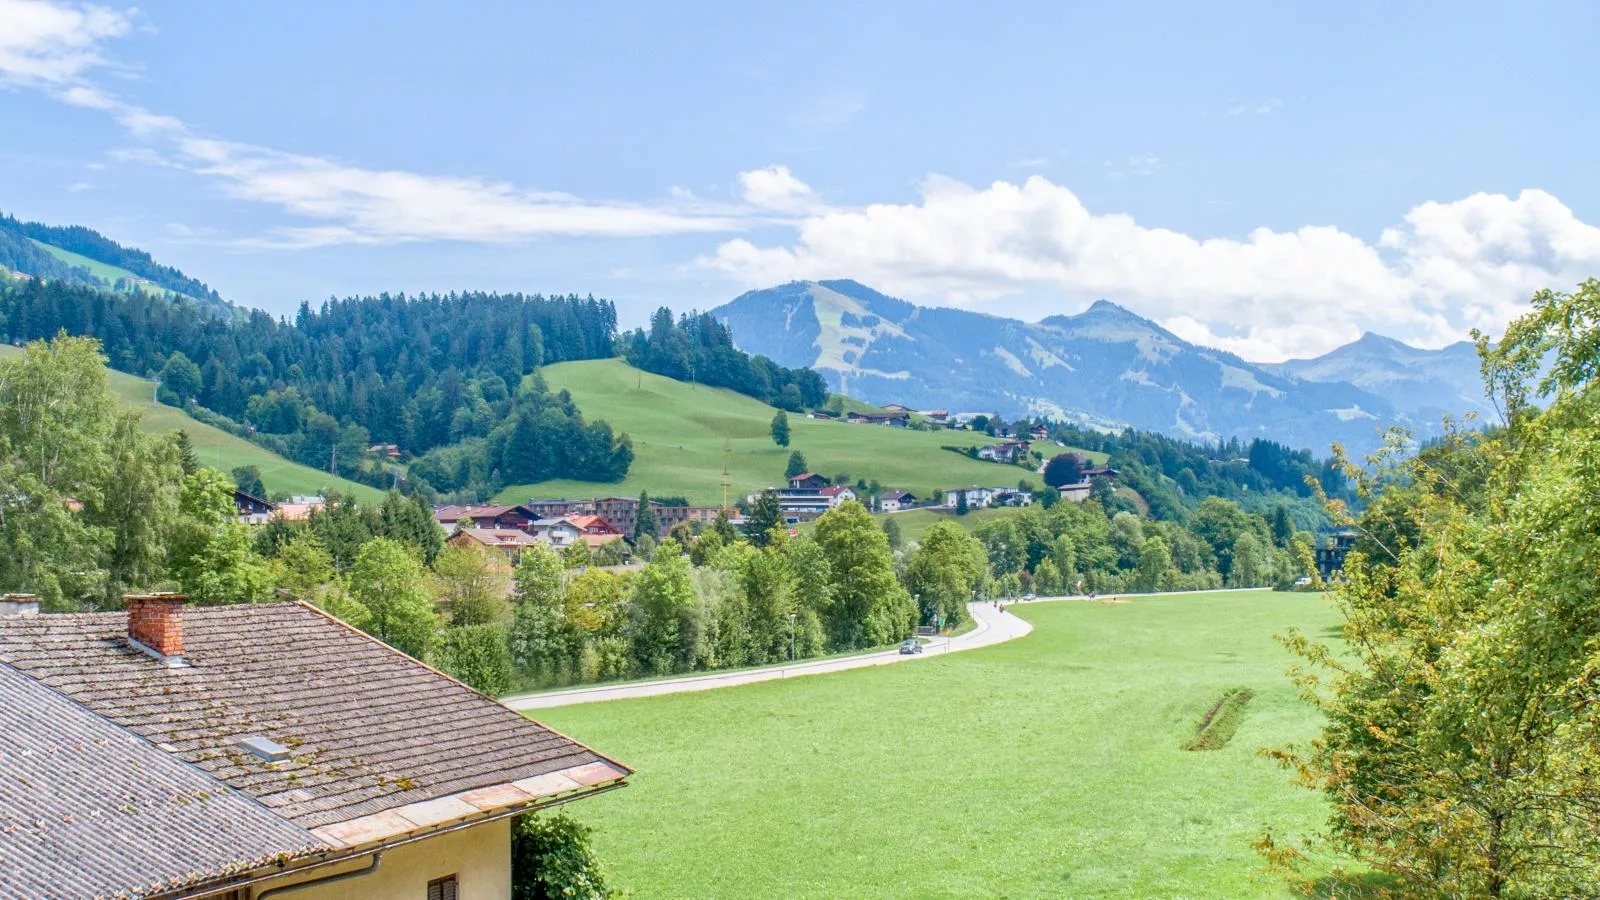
point(551, 858)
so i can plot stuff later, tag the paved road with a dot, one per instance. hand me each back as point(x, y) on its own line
point(993, 627)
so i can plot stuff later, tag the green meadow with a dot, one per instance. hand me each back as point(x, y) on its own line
point(1050, 766)
point(679, 431)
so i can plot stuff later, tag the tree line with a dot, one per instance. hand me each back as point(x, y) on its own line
point(700, 349)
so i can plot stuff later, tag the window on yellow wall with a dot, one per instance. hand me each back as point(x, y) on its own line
point(442, 888)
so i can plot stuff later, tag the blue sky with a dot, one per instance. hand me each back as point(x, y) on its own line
point(1268, 179)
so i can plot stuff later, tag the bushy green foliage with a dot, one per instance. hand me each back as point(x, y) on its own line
point(477, 655)
point(1462, 743)
point(551, 860)
point(388, 582)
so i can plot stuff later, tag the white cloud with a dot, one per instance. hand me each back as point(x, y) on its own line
point(78, 187)
point(54, 45)
point(1267, 296)
point(775, 188)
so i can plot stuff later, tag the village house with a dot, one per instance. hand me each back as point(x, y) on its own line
point(1039, 432)
point(800, 504)
point(808, 481)
point(892, 419)
point(894, 501)
point(1076, 493)
point(1010, 497)
point(229, 752)
point(510, 542)
point(252, 510)
point(837, 494)
point(558, 533)
point(486, 516)
point(390, 452)
point(594, 531)
point(977, 497)
point(1005, 452)
point(896, 407)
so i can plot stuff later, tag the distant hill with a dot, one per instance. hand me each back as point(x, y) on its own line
point(1105, 367)
point(82, 255)
point(1423, 384)
point(679, 429)
point(222, 451)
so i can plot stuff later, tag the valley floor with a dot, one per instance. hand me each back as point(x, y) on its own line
point(1045, 766)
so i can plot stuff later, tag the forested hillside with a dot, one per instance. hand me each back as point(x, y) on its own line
point(419, 372)
point(96, 246)
point(698, 348)
point(1260, 476)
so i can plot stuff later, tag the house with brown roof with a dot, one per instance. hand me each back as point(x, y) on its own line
point(227, 752)
point(484, 516)
point(509, 542)
point(594, 531)
point(808, 481)
point(252, 510)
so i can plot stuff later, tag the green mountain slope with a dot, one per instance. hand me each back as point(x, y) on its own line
point(679, 430)
point(221, 450)
point(103, 271)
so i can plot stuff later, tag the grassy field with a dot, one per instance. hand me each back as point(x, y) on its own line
point(678, 432)
point(103, 271)
point(1045, 767)
point(223, 451)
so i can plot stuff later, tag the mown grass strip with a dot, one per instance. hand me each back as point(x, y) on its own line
point(1219, 723)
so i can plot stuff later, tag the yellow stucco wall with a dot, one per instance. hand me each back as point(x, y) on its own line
point(479, 857)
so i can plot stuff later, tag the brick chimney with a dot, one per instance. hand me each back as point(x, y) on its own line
point(155, 624)
point(19, 605)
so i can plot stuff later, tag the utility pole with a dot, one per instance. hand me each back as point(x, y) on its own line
point(727, 452)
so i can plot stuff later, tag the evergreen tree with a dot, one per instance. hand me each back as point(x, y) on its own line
point(186, 455)
point(780, 429)
point(765, 514)
point(797, 464)
point(645, 523)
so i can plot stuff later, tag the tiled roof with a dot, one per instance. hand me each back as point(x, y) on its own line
point(88, 809)
point(369, 729)
point(500, 537)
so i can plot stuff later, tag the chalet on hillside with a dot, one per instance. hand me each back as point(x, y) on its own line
point(1005, 452)
point(891, 419)
point(252, 510)
point(211, 752)
point(894, 501)
point(808, 481)
point(896, 407)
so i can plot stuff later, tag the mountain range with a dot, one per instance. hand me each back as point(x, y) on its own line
point(1105, 367)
